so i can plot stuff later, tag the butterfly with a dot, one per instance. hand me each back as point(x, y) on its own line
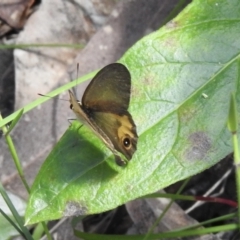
point(104, 109)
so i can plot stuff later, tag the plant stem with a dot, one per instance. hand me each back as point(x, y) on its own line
point(15, 156)
point(165, 210)
point(15, 213)
point(233, 127)
point(20, 170)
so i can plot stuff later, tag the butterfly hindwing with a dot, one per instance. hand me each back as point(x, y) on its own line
point(121, 130)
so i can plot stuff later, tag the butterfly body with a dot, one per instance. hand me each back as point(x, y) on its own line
point(104, 110)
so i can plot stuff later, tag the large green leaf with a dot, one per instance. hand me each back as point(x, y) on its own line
point(182, 79)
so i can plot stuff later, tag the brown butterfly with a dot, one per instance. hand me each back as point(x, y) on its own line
point(104, 108)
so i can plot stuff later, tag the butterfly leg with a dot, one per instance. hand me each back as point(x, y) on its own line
point(71, 119)
point(79, 127)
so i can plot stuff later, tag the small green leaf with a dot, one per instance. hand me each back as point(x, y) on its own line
point(181, 132)
point(15, 121)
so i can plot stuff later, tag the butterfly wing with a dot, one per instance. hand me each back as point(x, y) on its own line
point(109, 90)
point(120, 129)
point(106, 101)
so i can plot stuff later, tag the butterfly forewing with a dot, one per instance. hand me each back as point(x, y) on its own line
point(109, 90)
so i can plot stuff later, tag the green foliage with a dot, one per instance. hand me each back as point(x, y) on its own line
point(182, 79)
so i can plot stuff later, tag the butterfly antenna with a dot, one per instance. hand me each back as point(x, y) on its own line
point(77, 74)
point(77, 70)
point(74, 88)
